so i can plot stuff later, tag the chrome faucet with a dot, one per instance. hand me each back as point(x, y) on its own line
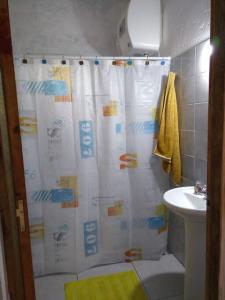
point(200, 189)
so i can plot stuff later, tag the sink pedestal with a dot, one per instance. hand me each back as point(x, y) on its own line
point(195, 245)
point(192, 208)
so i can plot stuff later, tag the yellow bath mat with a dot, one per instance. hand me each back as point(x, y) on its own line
point(119, 286)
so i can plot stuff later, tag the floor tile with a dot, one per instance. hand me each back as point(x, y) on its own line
point(107, 269)
point(174, 298)
point(163, 278)
point(52, 287)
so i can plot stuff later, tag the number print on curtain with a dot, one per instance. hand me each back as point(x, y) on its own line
point(86, 139)
point(90, 238)
point(94, 189)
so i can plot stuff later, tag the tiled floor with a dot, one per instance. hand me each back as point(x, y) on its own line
point(52, 287)
point(163, 279)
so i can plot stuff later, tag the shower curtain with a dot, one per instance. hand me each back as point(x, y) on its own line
point(94, 189)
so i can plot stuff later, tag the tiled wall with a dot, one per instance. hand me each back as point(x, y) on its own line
point(192, 69)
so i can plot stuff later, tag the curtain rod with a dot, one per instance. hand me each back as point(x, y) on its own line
point(41, 56)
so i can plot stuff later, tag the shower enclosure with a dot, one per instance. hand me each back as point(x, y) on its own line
point(94, 189)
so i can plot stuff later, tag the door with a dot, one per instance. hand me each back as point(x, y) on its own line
point(12, 188)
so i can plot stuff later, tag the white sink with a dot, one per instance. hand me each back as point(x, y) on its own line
point(184, 202)
point(192, 208)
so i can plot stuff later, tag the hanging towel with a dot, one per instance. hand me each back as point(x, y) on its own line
point(167, 146)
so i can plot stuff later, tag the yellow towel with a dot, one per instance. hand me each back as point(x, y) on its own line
point(167, 146)
point(124, 286)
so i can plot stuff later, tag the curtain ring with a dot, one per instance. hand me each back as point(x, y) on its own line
point(24, 60)
point(81, 62)
point(44, 60)
point(63, 61)
point(114, 61)
point(129, 61)
point(96, 61)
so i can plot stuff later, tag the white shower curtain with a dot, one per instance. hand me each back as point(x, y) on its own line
point(94, 189)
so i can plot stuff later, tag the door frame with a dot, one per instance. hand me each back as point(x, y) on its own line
point(13, 202)
point(215, 261)
point(12, 184)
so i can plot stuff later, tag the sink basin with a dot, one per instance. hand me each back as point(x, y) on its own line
point(192, 208)
point(184, 202)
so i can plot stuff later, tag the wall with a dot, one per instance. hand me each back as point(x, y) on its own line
point(185, 24)
point(192, 68)
point(69, 27)
point(88, 27)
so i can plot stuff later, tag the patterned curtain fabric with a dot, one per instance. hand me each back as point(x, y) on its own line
point(94, 188)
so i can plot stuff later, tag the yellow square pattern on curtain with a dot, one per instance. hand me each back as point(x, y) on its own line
point(70, 182)
point(119, 286)
point(63, 74)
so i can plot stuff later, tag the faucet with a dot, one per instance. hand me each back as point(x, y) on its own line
point(200, 189)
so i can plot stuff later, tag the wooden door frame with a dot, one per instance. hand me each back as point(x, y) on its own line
point(215, 265)
point(12, 185)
